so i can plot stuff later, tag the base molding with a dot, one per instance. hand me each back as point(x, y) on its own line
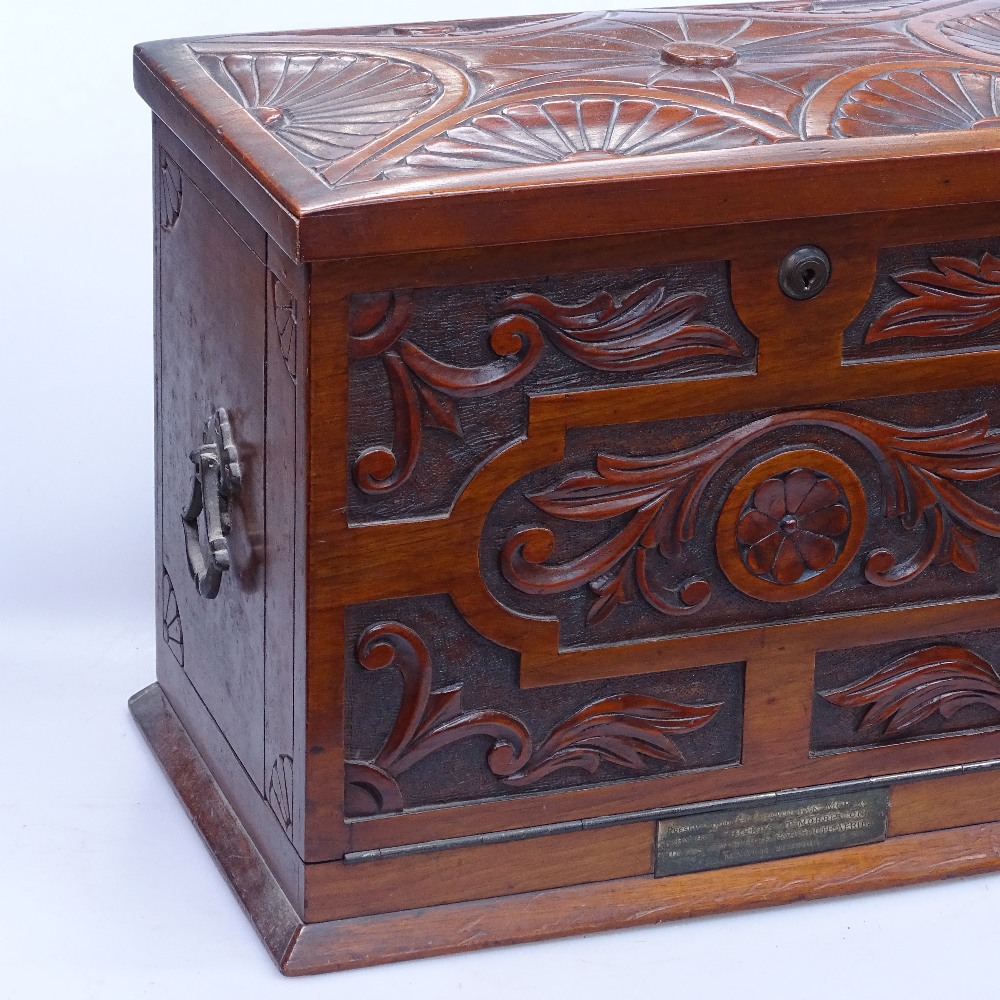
point(299, 948)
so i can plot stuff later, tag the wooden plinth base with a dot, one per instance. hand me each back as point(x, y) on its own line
point(299, 948)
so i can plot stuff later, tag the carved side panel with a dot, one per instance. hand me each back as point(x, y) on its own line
point(434, 715)
point(930, 300)
point(907, 690)
point(679, 527)
point(440, 378)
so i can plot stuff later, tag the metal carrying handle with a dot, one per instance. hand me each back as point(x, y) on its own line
point(217, 479)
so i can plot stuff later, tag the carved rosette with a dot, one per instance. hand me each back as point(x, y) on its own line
point(790, 527)
point(170, 619)
point(626, 731)
point(940, 680)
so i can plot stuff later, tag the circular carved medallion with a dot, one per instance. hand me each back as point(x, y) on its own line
point(791, 525)
point(698, 54)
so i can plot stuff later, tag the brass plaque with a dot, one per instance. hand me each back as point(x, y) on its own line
point(724, 838)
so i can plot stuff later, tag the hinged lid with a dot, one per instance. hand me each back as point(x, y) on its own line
point(413, 137)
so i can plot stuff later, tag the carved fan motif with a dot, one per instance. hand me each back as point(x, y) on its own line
point(279, 789)
point(577, 128)
point(976, 31)
point(325, 106)
point(914, 101)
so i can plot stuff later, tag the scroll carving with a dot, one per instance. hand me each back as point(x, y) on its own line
point(423, 390)
point(170, 621)
point(648, 328)
point(623, 730)
point(657, 502)
point(958, 297)
point(942, 679)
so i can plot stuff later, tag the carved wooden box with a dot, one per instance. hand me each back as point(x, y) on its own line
point(578, 465)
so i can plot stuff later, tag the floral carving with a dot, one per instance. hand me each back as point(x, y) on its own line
point(286, 322)
point(325, 106)
point(959, 297)
point(649, 329)
point(921, 100)
point(170, 620)
point(623, 730)
point(424, 390)
point(171, 190)
point(279, 789)
point(922, 471)
point(792, 526)
point(550, 130)
point(910, 689)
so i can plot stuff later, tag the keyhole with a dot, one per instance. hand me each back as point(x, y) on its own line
point(804, 273)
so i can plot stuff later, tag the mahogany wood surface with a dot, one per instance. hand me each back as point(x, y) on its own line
point(300, 949)
point(554, 506)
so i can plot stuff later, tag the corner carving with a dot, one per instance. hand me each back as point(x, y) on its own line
point(171, 189)
point(285, 311)
point(170, 620)
point(280, 790)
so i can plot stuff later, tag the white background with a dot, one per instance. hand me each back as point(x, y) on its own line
point(105, 888)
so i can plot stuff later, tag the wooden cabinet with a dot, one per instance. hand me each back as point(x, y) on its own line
point(578, 466)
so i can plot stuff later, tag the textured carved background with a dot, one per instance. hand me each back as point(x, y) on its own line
point(956, 673)
point(371, 105)
point(970, 571)
point(453, 327)
point(950, 305)
point(488, 675)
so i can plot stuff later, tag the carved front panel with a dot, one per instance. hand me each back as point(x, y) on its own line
point(687, 526)
point(902, 691)
point(440, 377)
point(435, 715)
point(932, 299)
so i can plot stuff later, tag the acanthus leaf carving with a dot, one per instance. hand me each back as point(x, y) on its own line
point(922, 472)
point(958, 298)
point(624, 730)
point(909, 690)
point(650, 328)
